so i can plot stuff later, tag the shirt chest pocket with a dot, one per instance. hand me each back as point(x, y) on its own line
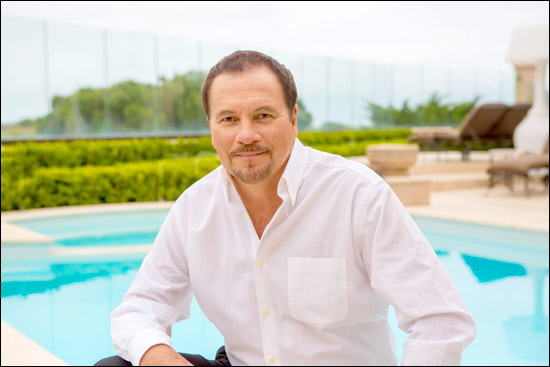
point(317, 289)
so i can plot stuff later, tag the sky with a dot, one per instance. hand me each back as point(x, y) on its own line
point(458, 34)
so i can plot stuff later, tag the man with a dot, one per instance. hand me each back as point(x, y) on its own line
point(292, 253)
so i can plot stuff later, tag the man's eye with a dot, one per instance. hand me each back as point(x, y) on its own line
point(264, 115)
point(228, 119)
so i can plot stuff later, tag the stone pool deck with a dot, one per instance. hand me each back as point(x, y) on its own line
point(458, 192)
point(19, 350)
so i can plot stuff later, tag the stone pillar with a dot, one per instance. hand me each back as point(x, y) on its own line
point(525, 83)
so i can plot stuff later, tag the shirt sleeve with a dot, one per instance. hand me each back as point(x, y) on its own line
point(405, 272)
point(159, 295)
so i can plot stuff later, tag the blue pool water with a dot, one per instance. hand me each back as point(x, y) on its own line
point(64, 302)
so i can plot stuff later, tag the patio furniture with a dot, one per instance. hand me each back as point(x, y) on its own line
point(482, 123)
point(521, 166)
point(505, 127)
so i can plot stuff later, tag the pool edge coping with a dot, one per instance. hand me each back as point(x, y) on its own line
point(16, 345)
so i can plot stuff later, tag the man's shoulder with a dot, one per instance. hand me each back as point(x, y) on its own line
point(204, 186)
point(332, 164)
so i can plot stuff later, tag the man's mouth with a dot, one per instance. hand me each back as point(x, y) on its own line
point(249, 154)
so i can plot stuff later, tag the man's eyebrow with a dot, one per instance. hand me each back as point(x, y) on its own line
point(266, 108)
point(263, 108)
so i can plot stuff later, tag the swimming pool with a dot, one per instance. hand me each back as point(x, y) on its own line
point(64, 302)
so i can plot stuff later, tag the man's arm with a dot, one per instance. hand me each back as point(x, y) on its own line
point(405, 272)
point(159, 296)
point(163, 355)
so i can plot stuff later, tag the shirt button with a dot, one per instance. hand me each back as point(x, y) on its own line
point(260, 263)
point(266, 311)
point(271, 359)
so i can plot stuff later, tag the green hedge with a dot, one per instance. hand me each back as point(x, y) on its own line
point(49, 174)
point(354, 149)
point(143, 181)
point(193, 146)
point(32, 155)
point(354, 136)
point(29, 156)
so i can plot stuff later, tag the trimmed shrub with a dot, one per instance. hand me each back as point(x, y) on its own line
point(354, 149)
point(194, 146)
point(30, 156)
point(49, 174)
point(144, 181)
point(34, 155)
point(350, 137)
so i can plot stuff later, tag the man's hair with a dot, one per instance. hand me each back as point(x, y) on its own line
point(240, 61)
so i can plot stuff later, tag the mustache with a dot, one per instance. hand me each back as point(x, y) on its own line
point(249, 148)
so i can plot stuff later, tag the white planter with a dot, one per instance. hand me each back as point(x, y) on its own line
point(392, 159)
point(531, 133)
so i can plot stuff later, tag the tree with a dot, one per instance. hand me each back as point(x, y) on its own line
point(175, 104)
point(336, 126)
point(433, 112)
point(304, 116)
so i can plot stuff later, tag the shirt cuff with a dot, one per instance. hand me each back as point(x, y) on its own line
point(431, 353)
point(144, 340)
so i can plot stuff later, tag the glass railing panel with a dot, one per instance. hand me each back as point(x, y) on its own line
point(180, 84)
point(408, 85)
point(212, 52)
point(382, 82)
point(364, 92)
point(295, 63)
point(463, 85)
point(177, 56)
point(114, 82)
point(507, 83)
point(339, 114)
point(489, 86)
point(132, 79)
point(23, 83)
point(315, 93)
point(436, 80)
point(76, 71)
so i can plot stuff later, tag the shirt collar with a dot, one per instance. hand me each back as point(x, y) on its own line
point(291, 178)
point(294, 171)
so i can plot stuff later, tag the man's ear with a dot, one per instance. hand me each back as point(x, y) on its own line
point(294, 120)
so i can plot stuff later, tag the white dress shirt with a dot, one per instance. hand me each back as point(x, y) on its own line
point(314, 290)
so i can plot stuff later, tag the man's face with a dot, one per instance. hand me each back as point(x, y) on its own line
point(252, 129)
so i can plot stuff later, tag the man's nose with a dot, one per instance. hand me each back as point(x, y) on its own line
point(248, 132)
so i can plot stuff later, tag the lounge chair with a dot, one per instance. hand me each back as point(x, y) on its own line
point(492, 121)
point(505, 127)
point(520, 166)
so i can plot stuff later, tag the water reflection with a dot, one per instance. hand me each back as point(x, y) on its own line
point(526, 334)
point(63, 274)
point(487, 270)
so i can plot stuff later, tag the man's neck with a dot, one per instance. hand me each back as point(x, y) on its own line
point(263, 192)
point(260, 200)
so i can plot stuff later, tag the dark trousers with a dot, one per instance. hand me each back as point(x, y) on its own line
point(194, 359)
